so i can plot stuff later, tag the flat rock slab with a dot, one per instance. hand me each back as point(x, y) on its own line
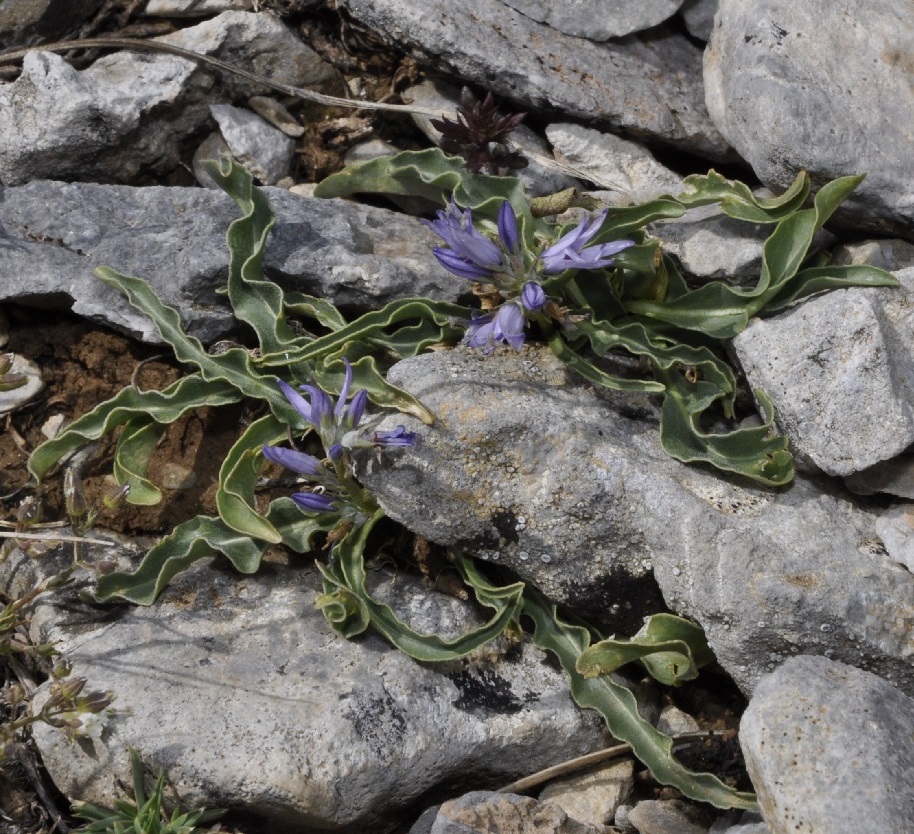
point(239, 689)
point(597, 20)
point(840, 371)
point(526, 466)
point(826, 88)
point(829, 749)
point(649, 89)
point(53, 235)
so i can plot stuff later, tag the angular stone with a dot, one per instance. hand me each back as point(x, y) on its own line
point(594, 795)
point(895, 477)
point(108, 122)
point(193, 8)
point(896, 529)
point(827, 89)
point(524, 462)
point(833, 362)
point(648, 88)
point(53, 235)
point(596, 19)
point(698, 16)
point(828, 748)
point(482, 812)
point(238, 688)
point(613, 162)
point(669, 816)
point(892, 254)
point(261, 148)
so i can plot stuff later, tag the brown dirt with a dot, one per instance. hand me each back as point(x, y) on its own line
point(83, 365)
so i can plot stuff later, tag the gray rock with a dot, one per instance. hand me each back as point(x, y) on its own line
point(24, 22)
point(525, 462)
point(613, 162)
point(594, 795)
point(771, 65)
point(896, 529)
point(597, 20)
point(749, 823)
point(710, 246)
point(538, 177)
point(698, 16)
point(483, 812)
point(669, 816)
point(895, 477)
point(196, 8)
point(646, 88)
point(828, 749)
point(261, 148)
point(237, 687)
point(53, 235)
point(108, 122)
point(673, 721)
point(891, 254)
point(830, 365)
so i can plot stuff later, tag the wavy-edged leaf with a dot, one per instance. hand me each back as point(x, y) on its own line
point(738, 201)
point(350, 608)
point(187, 543)
point(254, 300)
point(298, 528)
point(759, 452)
point(238, 476)
point(672, 649)
point(135, 446)
point(233, 367)
point(619, 709)
point(598, 376)
point(164, 406)
point(301, 304)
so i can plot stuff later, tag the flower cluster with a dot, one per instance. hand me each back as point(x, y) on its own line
point(479, 135)
point(339, 427)
point(511, 269)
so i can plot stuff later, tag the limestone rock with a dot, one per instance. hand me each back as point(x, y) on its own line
point(597, 20)
point(261, 148)
point(698, 16)
point(524, 462)
point(482, 812)
point(24, 22)
point(833, 362)
point(238, 688)
point(828, 89)
point(648, 88)
point(593, 795)
point(107, 122)
point(828, 749)
point(53, 235)
point(613, 162)
point(669, 816)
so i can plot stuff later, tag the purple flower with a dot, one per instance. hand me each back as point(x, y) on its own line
point(504, 325)
point(398, 437)
point(298, 462)
point(469, 254)
point(314, 502)
point(507, 227)
point(569, 251)
point(533, 297)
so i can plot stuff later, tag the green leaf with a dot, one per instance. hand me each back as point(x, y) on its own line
point(596, 375)
point(187, 543)
point(738, 201)
point(165, 406)
point(759, 453)
point(672, 649)
point(350, 608)
point(233, 367)
point(819, 279)
point(254, 300)
point(135, 446)
point(299, 304)
point(619, 709)
point(238, 476)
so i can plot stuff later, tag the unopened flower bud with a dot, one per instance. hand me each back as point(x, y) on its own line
point(62, 668)
point(95, 702)
point(113, 498)
point(74, 495)
point(106, 565)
